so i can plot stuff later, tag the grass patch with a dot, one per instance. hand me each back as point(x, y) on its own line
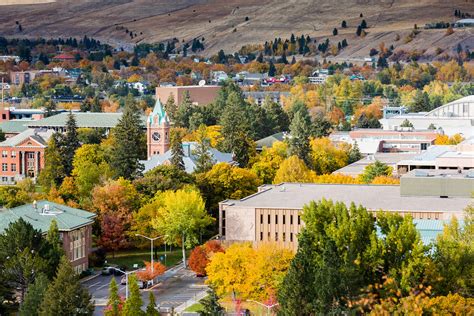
point(130, 257)
point(196, 308)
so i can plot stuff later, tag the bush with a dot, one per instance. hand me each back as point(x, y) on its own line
point(97, 258)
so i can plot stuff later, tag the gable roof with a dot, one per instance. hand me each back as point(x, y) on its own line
point(269, 140)
point(40, 137)
point(68, 218)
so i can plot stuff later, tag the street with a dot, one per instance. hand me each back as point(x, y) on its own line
point(172, 289)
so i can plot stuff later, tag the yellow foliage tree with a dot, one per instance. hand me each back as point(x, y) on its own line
point(269, 160)
point(446, 140)
point(293, 169)
point(326, 157)
point(249, 273)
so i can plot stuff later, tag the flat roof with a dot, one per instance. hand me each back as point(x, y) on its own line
point(390, 159)
point(373, 197)
point(14, 126)
point(68, 218)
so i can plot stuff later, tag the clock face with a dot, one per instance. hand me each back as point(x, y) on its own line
point(156, 136)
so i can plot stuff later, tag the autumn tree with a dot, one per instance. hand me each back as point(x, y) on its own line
point(113, 235)
point(151, 271)
point(200, 256)
point(326, 157)
point(129, 142)
point(181, 217)
point(269, 160)
point(374, 170)
point(293, 169)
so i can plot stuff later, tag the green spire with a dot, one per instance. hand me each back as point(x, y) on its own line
point(159, 114)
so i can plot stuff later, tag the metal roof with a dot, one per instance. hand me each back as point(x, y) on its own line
point(83, 120)
point(14, 126)
point(68, 218)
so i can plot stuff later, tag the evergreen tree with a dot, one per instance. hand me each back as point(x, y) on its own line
point(293, 60)
point(69, 143)
point(344, 24)
point(2, 135)
point(96, 107)
point(382, 62)
point(211, 305)
point(134, 302)
point(177, 152)
point(184, 112)
point(204, 159)
point(334, 31)
point(50, 108)
point(359, 31)
point(170, 108)
point(65, 295)
point(363, 24)
point(151, 307)
point(321, 127)
point(271, 69)
point(34, 296)
point(86, 106)
point(56, 250)
point(260, 58)
point(128, 134)
point(113, 304)
point(53, 171)
point(300, 132)
point(354, 154)
point(276, 118)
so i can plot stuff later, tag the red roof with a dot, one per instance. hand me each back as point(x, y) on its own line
point(64, 57)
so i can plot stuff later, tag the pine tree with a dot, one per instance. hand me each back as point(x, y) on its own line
point(359, 30)
point(53, 171)
point(276, 118)
point(204, 159)
point(2, 135)
point(363, 24)
point(300, 132)
point(96, 107)
point(344, 24)
point(34, 296)
point(151, 307)
point(334, 32)
point(184, 112)
point(56, 251)
point(69, 143)
point(113, 304)
point(293, 60)
point(271, 69)
point(260, 58)
point(211, 305)
point(128, 140)
point(134, 302)
point(170, 108)
point(177, 152)
point(354, 154)
point(65, 295)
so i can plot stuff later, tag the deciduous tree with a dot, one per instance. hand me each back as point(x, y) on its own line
point(293, 169)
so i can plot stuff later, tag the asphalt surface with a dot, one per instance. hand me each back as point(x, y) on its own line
point(172, 289)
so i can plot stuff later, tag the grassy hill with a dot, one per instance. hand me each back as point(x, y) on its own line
point(232, 23)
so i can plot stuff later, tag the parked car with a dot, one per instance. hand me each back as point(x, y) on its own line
point(141, 284)
point(107, 270)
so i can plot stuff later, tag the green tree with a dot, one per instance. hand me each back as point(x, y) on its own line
point(406, 123)
point(204, 159)
point(65, 295)
point(53, 172)
point(96, 107)
point(299, 140)
point(184, 112)
point(2, 135)
point(56, 250)
point(276, 119)
point(271, 69)
point(133, 305)
point(129, 139)
point(374, 170)
point(114, 302)
point(68, 144)
point(177, 152)
point(151, 307)
point(171, 108)
point(210, 305)
point(181, 217)
point(34, 296)
point(354, 154)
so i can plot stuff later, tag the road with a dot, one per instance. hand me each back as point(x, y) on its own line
point(172, 289)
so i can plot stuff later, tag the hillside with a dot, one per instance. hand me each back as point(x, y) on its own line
point(223, 24)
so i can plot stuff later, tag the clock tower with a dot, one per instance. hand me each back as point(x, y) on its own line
point(157, 131)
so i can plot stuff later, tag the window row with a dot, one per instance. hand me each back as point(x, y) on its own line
point(5, 154)
point(283, 237)
point(5, 167)
point(276, 218)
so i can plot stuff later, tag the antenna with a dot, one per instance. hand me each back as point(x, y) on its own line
point(202, 83)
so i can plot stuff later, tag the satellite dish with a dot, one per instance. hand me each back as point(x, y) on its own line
point(202, 83)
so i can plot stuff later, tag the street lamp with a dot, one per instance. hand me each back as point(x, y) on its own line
point(269, 307)
point(151, 252)
point(126, 279)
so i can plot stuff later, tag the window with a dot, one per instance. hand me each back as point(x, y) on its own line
point(276, 236)
point(78, 244)
point(13, 166)
point(299, 220)
point(268, 236)
point(261, 235)
point(284, 237)
point(13, 154)
point(291, 237)
point(261, 218)
point(4, 167)
point(291, 219)
point(284, 219)
point(276, 219)
point(4, 154)
point(269, 219)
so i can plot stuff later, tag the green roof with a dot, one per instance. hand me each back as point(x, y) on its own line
point(40, 218)
point(83, 120)
point(14, 126)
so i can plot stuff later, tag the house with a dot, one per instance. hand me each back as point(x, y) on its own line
point(219, 76)
point(246, 78)
point(75, 227)
point(63, 57)
point(464, 23)
point(189, 159)
point(273, 214)
point(319, 76)
point(258, 97)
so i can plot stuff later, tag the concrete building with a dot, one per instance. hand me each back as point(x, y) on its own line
point(258, 97)
point(12, 113)
point(75, 227)
point(454, 117)
point(274, 213)
point(200, 95)
point(442, 157)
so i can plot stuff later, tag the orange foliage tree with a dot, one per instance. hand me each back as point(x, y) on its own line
point(200, 256)
point(149, 273)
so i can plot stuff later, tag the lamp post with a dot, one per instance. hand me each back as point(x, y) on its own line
point(269, 307)
point(151, 252)
point(126, 279)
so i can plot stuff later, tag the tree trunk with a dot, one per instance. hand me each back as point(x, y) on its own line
point(184, 251)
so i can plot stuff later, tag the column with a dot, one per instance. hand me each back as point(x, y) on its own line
point(22, 163)
point(37, 161)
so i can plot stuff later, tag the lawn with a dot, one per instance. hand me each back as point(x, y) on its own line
point(196, 308)
point(136, 256)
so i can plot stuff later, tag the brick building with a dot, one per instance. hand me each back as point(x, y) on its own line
point(200, 95)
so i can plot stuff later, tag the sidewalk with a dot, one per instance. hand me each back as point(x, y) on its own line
point(180, 309)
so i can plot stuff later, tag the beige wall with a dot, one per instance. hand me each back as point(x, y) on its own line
point(240, 224)
point(199, 95)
